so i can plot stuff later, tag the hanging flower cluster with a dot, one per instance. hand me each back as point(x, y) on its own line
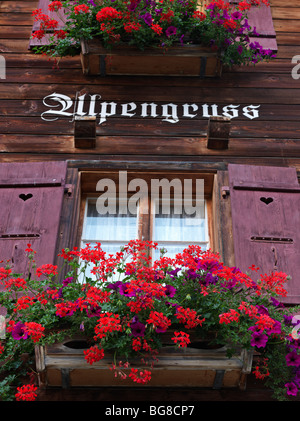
point(149, 23)
point(123, 304)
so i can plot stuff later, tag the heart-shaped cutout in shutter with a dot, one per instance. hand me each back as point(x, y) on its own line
point(266, 200)
point(25, 197)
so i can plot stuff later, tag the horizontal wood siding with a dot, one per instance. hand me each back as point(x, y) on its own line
point(30, 78)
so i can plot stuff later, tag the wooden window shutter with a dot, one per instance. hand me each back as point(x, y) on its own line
point(32, 198)
point(260, 17)
point(265, 210)
point(43, 5)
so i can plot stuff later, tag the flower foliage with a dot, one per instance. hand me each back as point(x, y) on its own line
point(153, 23)
point(122, 304)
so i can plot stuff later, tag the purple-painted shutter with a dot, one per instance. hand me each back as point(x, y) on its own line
point(260, 17)
point(31, 197)
point(265, 206)
point(43, 5)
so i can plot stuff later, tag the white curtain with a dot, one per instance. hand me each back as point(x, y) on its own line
point(179, 228)
point(111, 230)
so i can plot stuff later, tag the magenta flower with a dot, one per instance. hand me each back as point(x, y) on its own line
point(137, 328)
point(293, 359)
point(123, 290)
point(236, 15)
point(291, 389)
point(115, 285)
point(67, 281)
point(262, 309)
point(171, 30)
point(259, 340)
point(147, 18)
point(170, 291)
point(276, 329)
point(18, 332)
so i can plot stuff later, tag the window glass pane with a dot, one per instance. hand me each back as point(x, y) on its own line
point(111, 230)
point(175, 231)
point(109, 227)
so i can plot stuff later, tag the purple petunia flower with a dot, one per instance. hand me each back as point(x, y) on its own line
point(123, 290)
point(114, 285)
point(171, 30)
point(297, 378)
point(18, 332)
point(276, 303)
point(237, 15)
point(133, 5)
point(226, 15)
point(293, 359)
point(67, 281)
point(173, 273)
point(259, 340)
point(254, 32)
point(137, 328)
point(170, 291)
point(276, 328)
point(210, 279)
point(291, 389)
point(246, 24)
point(147, 18)
point(240, 49)
point(211, 265)
point(262, 309)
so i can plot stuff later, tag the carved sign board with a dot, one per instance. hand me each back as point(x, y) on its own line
point(86, 105)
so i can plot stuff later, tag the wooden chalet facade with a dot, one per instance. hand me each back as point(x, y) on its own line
point(152, 127)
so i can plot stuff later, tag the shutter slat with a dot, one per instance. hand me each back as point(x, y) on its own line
point(265, 221)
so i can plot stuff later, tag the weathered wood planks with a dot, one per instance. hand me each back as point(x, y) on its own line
point(30, 78)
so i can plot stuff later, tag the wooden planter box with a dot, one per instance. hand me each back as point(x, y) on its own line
point(63, 366)
point(187, 60)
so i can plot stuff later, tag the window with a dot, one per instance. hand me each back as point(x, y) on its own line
point(172, 222)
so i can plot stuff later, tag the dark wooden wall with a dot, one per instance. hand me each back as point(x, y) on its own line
point(273, 138)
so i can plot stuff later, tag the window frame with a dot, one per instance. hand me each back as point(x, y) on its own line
point(145, 221)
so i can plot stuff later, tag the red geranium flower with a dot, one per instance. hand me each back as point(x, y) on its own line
point(26, 393)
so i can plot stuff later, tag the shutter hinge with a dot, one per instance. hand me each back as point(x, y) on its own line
point(69, 189)
point(225, 191)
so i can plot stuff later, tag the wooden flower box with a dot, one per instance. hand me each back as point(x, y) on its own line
point(63, 365)
point(187, 60)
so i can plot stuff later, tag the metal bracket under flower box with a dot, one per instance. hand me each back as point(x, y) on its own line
point(63, 365)
point(182, 60)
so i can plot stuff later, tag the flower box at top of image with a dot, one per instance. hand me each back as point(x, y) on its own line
point(187, 60)
point(149, 37)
